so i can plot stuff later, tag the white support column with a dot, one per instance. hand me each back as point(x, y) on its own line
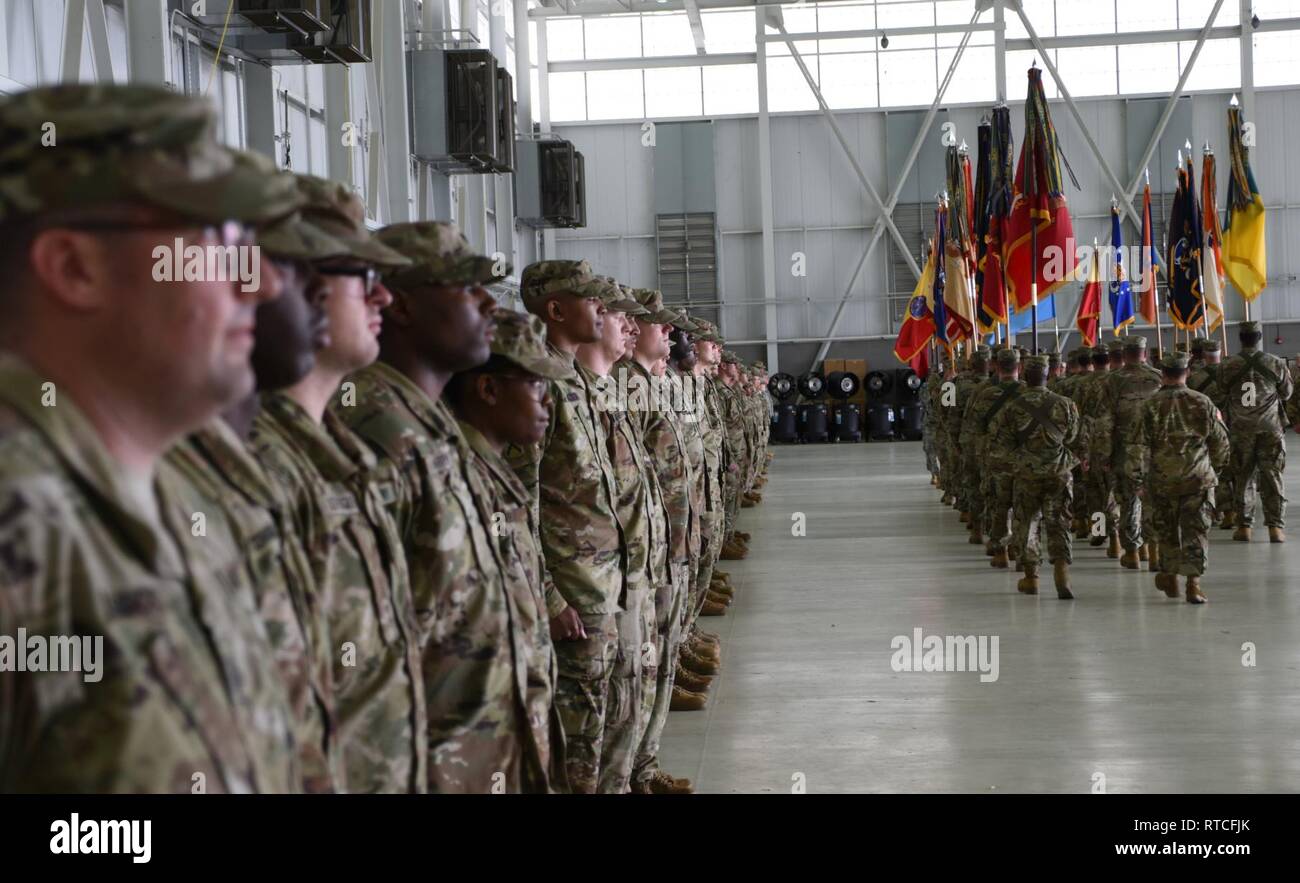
point(504, 201)
point(544, 120)
point(770, 329)
point(148, 48)
point(1000, 48)
point(259, 108)
point(339, 123)
point(1247, 63)
point(97, 29)
point(74, 24)
point(394, 129)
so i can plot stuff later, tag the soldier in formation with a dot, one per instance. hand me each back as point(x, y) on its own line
point(371, 532)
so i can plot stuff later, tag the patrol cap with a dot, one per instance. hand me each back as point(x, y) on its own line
point(1007, 359)
point(1053, 358)
point(1134, 343)
point(110, 144)
point(1181, 346)
point(1115, 346)
point(708, 332)
point(1036, 362)
point(1175, 361)
point(653, 302)
point(541, 279)
point(729, 357)
point(521, 338)
point(1083, 355)
point(615, 297)
point(682, 322)
point(294, 237)
point(761, 367)
point(981, 355)
point(1100, 352)
point(334, 208)
point(1198, 346)
point(1250, 326)
point(1208, 345)
point(439, 254)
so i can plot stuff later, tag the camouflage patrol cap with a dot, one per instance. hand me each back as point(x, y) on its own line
point(760, 366)
point(981, 355)
point(334, 208)
point(1175, 361)
point(1250, 326)
point(1134, 343)
point(684, 322)
point(1037, 362)
point(1209, 345)
point(730, 358)
point(1115, 346)
point(521, 339)
point(294, 237)
point(615, 298)
point(1007, 359)
point(653, 302)
point(1198, 346)
point(1053, 358)
point(79, 146)
point(1181, 347)
point(439, 254)
point(541, 279)
point(1101, 352)
point(708, 332)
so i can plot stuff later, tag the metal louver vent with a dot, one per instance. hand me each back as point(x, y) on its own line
point(686, 249)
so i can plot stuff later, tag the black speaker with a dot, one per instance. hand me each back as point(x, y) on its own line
point(813, 423)
point(879, 384)
point(781, 386)
point(812, 385)
point(842, 384)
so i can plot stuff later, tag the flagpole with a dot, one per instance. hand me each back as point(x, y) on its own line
point(1153, 282)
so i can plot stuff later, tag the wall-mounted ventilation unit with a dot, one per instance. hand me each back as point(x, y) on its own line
point(291, 31)
point(550, 184)
point(462, 110)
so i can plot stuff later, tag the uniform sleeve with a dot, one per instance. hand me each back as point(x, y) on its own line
point(1217, 442)
point(1074, 437)
point(1139, 453)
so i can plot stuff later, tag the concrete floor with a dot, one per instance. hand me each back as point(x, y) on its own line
point(1121, 686)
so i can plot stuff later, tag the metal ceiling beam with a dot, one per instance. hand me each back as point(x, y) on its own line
point(637, 63)
point(885, 215)
point(770, 329)
point(74, 24)
point(888, 209)
point(697, 26)
point(596, 8)
point(147, 44)
point(918, 30)
point(97, 28)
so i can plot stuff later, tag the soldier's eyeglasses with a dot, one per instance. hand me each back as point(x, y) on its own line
point(368, 275)
point(229, 233)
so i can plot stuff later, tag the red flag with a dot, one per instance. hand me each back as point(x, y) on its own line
point(1044, 209)
point(921, 363)
point(1089, 317)
point(1147, 265)
point(993, 297)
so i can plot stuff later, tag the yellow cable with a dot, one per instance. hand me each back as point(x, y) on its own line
point(216, 59)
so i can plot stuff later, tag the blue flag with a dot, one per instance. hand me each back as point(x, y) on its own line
point(1022, 320)
point(937, 306)
point(1121, 294)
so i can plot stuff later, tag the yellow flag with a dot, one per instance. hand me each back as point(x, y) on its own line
point(1244, 248)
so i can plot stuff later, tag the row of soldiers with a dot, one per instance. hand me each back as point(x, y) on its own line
point(1106, 447)
point(345, 524)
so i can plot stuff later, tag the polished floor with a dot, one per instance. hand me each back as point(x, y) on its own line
point(1121, 688)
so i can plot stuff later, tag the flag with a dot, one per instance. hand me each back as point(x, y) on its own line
point(1039, 204)
point(958, 299)
point(921, 363)
point(1148, 261)
point(937, 274)
point(1121, 296)
point(989, 242)
point(1088, 320)
point(919, 323)
point(1211, 257)
point(1024, 320)
point(1186, 307)
point(1244, 244)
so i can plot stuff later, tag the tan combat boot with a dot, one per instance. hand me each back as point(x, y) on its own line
point(722, 575)
point(1194, 593)
point(724, 600)
point(747, 503)
point(662, 783)
point(1061, 575)
point(1229, 520)
point(1129, 560)
point(722, 588)
point(685, 700)
point(711, 608)
point(732, 552)
point(696, 665)
point(999, 559)
point(976, 537)
point(964, 518)
point(1028, 584)
point(1112, 550)
point(988, 548)
point(1276, 535)
point(742, 535)
point(1144, 552)
point(946, 499)
point(1167, 583)
point(693, 682)
point(705, 650)
point(1153, 557)
point(701, 635)
point(1241, 535)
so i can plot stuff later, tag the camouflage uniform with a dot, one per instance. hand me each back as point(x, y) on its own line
point(931, 422)
point(1177, 448)
point(572, 480)
point(1097, 431)
point(1204, 378)
point(709, 422)
point(1255, 429)
point(340, 503)
point(995, 468)
point(1121, 401)
point(1039, 432)
point(965, 468)
point(288, 598)
point(188, 696)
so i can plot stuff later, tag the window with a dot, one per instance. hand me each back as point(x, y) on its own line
point(1151, 15)
point(786, 87)
point(730, 88)
point(1148, 67)
point(568, 97)
point(729, 31)
point(849, 80)
point(673, 92)
point(1217, 67)
point(975, 79)
point(666, 34)
point(616, 95)
point(613, 37)
point(1275, 59)
point(907, 77)
point(1088, 70)
point(563, 39)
